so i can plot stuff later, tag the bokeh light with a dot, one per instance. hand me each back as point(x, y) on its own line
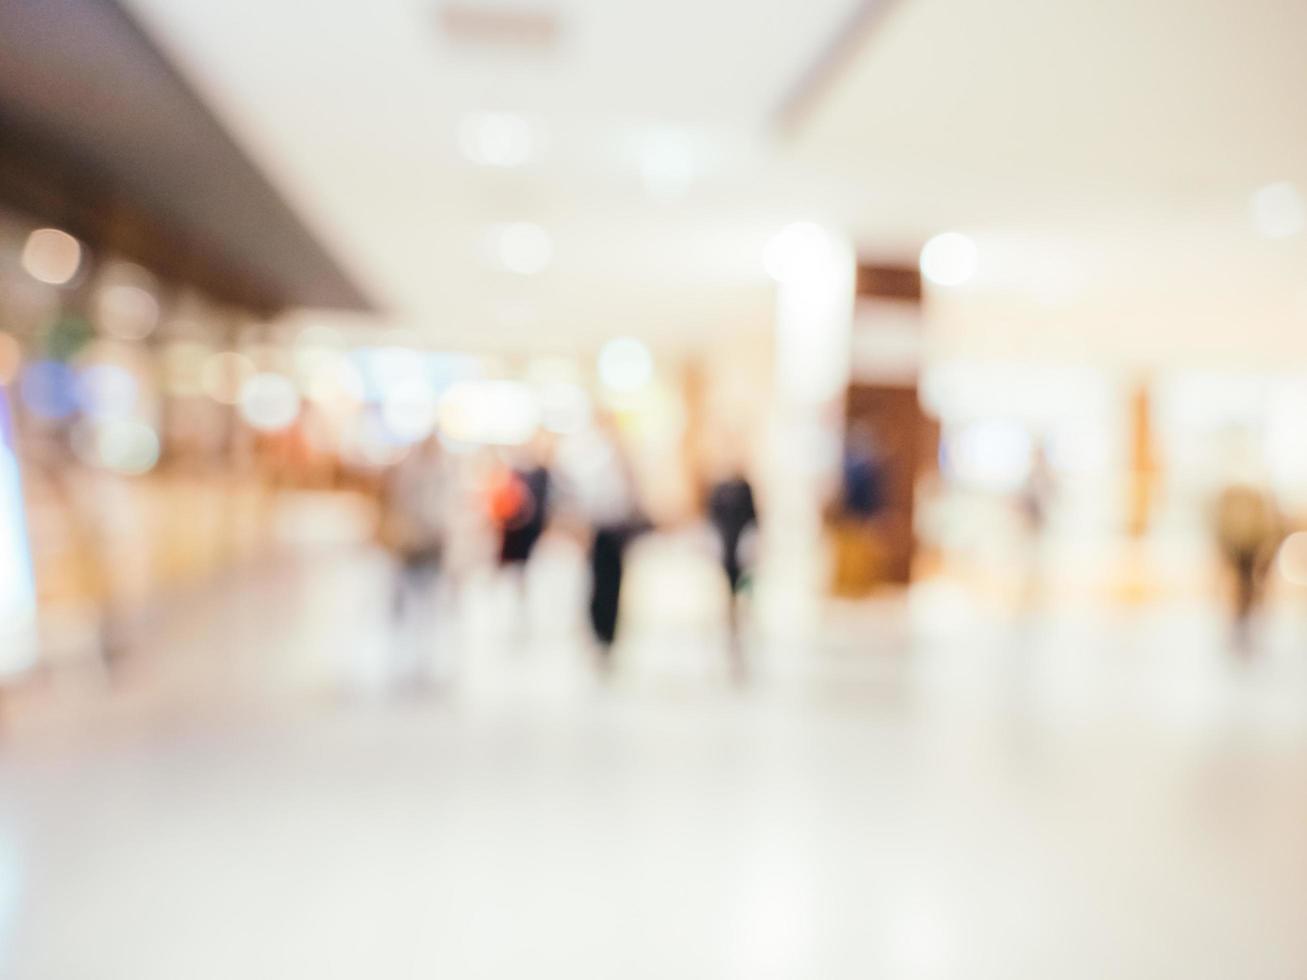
point(127, 311)
point(334, 382)
point(564, 408)
point(224, 375)
point(122, 444)
point(409, 410)
point(368, 442)
point(495, 413)
point(49, 390)
point(1292, 558)
point(1278, 210)
point(269, 402)
point(523, 248)
point(107, 389)
point(52, 256)
point(183, 367)
point(496, 139)
point(667, 164)
point(989, 454)
point(949, 259)
point(625, 365)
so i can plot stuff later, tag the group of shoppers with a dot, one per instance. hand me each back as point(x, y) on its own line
point(595, 495)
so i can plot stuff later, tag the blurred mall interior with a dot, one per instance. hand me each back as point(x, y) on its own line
point(605, 488)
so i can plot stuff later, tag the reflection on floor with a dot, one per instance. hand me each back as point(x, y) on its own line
point(906, 789)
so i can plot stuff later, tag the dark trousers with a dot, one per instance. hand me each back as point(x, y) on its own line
point(606, 553)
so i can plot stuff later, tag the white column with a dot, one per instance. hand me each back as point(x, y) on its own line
point(814, 270)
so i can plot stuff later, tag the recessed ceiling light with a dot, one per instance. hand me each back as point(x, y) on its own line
point(497, 139)
point(667, 164)
point(523, 248)
point(1278, 211)
point(949, 259)
point(625, 365)
point(51, 256)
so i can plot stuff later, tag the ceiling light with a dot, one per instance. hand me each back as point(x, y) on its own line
point(667, 165)
point(949, 259)
point(625, 365)
point(1278, 211)
point(523, 248)
point(52, 256)
point(496, 139)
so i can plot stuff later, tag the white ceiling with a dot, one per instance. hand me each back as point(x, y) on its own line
point(354, 109)
point(1102, 152)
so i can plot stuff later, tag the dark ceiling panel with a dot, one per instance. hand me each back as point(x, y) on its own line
point(99, 132)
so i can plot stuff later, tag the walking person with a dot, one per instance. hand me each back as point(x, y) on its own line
point(1247, 528)
point(732, 513)
point(415, 525)
point(605, 495)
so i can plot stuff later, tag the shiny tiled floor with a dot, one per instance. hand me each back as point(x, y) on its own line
point(909, 789)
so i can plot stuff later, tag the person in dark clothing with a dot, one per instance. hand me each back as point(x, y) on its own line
point(732, 513)
point(523, 528)
point(606, 554)
point(855, 512)
point(863, 482)
point(597, 481)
